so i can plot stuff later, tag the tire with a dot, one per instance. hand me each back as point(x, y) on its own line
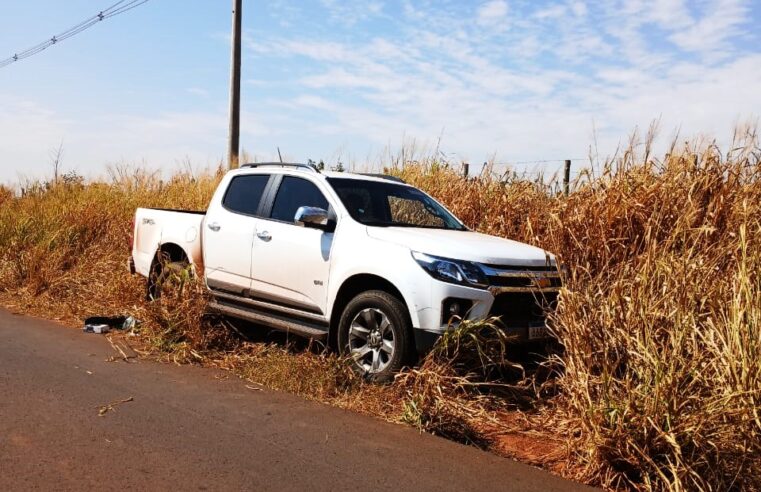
point(163, 271)
point(376, 331)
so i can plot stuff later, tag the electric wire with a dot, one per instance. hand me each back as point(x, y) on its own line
point(119, 7)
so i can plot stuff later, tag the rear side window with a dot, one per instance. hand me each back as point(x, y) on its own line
point(244, 193)
point(294, 193)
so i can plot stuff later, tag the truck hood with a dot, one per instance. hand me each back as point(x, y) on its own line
point(463, 245)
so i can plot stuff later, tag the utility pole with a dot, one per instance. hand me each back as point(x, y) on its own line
point(234, 138)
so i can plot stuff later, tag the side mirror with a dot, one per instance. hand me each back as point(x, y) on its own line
point(312, 217)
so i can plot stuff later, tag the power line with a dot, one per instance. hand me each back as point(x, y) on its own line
point(119, 7)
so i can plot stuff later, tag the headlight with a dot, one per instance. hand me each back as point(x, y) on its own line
point(452, 271)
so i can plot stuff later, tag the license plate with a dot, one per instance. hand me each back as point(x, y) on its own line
point(536, 332)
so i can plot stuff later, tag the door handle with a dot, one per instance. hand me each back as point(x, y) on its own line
point(264, 235)
point(214, 226)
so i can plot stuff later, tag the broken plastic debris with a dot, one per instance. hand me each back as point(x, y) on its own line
point(100, 329)
point(94, 323)
point(130, 323)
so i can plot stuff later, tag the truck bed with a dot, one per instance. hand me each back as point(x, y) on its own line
point(155, 227)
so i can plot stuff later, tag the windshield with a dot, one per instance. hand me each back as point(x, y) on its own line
point(386, 204)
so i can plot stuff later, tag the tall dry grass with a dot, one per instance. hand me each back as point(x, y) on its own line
point(659, 382)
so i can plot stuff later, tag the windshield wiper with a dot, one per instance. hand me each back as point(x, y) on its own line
point(376, 223)
point(407, 225)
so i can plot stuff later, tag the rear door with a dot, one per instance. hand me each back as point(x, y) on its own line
point(290, 263)
point(228, 233)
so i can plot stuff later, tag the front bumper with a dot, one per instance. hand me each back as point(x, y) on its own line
point(519, 310)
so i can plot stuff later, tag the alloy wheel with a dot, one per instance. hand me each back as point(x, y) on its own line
point(371, 340)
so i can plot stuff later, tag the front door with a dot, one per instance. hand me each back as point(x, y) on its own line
point(290, 263)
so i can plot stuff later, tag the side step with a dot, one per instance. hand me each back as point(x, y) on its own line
point(260, 305)
point(303, 328)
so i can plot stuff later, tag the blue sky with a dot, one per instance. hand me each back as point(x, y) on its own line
point(337, 80)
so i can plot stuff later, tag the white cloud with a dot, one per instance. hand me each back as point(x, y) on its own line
point(197, 91)
point(492, 12)
point(429, 80)
point(29, 131)
point(705, 28)
point(669, 14)
point(351, 13)
point(579, 9)
point(91, 141)
point(721, 21)
point(551, 12)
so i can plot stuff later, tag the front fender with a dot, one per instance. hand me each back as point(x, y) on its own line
point(390, 262)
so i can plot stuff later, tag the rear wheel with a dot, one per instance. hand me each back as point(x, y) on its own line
point(165, 272)
point(376, 333)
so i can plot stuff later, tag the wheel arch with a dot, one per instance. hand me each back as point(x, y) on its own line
point(174, 251)
point(350, 288)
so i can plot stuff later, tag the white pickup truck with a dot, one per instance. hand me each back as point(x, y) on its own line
point(374, 267)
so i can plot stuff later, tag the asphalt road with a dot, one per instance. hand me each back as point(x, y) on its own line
point(186, 429)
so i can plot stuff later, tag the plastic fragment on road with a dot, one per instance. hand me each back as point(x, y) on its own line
point(104, 324)
point(99, 329)
point(130, 323)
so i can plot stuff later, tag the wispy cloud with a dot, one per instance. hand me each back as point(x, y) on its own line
point(492, 12)
point(350, 13)
point(533, 91)
point(720, 21)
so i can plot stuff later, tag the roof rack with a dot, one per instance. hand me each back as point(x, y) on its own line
point(282, 164)
point(385, 176)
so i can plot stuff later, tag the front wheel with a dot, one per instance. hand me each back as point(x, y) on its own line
point(376, 333)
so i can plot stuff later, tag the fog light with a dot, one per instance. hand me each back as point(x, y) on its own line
point(454, 309)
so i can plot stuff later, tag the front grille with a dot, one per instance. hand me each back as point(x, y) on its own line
point(543, 268)
point(526, 282)
point(522, 278)
point(522, 309)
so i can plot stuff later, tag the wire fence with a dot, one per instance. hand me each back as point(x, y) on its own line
point(557, 174)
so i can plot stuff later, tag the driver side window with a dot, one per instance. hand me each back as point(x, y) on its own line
point(294, 193)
